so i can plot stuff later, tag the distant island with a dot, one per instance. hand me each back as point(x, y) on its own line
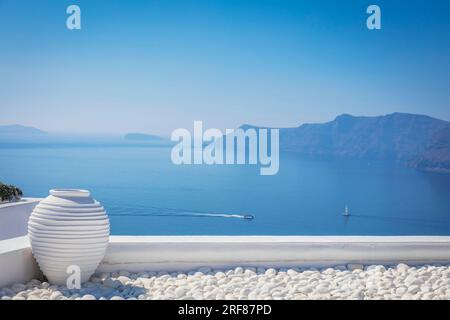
point(19, 135)
point(419, 141)
point(142, 137)
point(19, 130)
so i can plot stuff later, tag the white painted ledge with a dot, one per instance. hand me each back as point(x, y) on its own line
point(185, 253)
point(14, 217)
point(16, 262)
point(181, 253)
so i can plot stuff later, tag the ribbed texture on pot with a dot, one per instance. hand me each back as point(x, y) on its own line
point(68, 228)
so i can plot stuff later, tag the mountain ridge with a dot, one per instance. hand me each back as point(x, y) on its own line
point(420, 141)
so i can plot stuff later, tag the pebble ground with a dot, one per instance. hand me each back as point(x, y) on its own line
point(351, 281)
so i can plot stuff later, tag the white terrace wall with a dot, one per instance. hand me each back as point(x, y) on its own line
point(183, 253)
point(17, 264)
point(14, 217)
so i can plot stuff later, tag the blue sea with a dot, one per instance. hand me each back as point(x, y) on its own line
point(145, 194)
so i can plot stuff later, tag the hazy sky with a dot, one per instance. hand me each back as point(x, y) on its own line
point(153, 66)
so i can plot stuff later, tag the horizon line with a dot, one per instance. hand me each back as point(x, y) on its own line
point(44, 131)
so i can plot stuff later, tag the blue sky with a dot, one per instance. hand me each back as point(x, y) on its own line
point(153, 66)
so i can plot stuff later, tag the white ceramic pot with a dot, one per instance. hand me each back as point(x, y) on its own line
point(68, 228)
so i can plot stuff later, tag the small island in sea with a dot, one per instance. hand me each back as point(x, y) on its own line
point(20, 131)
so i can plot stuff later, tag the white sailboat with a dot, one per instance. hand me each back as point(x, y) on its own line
point(346, 213)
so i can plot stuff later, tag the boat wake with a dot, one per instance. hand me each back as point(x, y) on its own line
point(172, 212)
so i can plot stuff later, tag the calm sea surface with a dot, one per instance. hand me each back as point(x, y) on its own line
point(145, 194)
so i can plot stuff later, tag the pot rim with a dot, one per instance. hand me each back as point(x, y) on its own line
point(70, 193)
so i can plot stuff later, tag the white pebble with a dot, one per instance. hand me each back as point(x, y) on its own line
point(355, 266)
point(123, 280)
point(180, 292)
point(402, 267)
point(270, 272)
point(45, 285)
point(55, 295)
